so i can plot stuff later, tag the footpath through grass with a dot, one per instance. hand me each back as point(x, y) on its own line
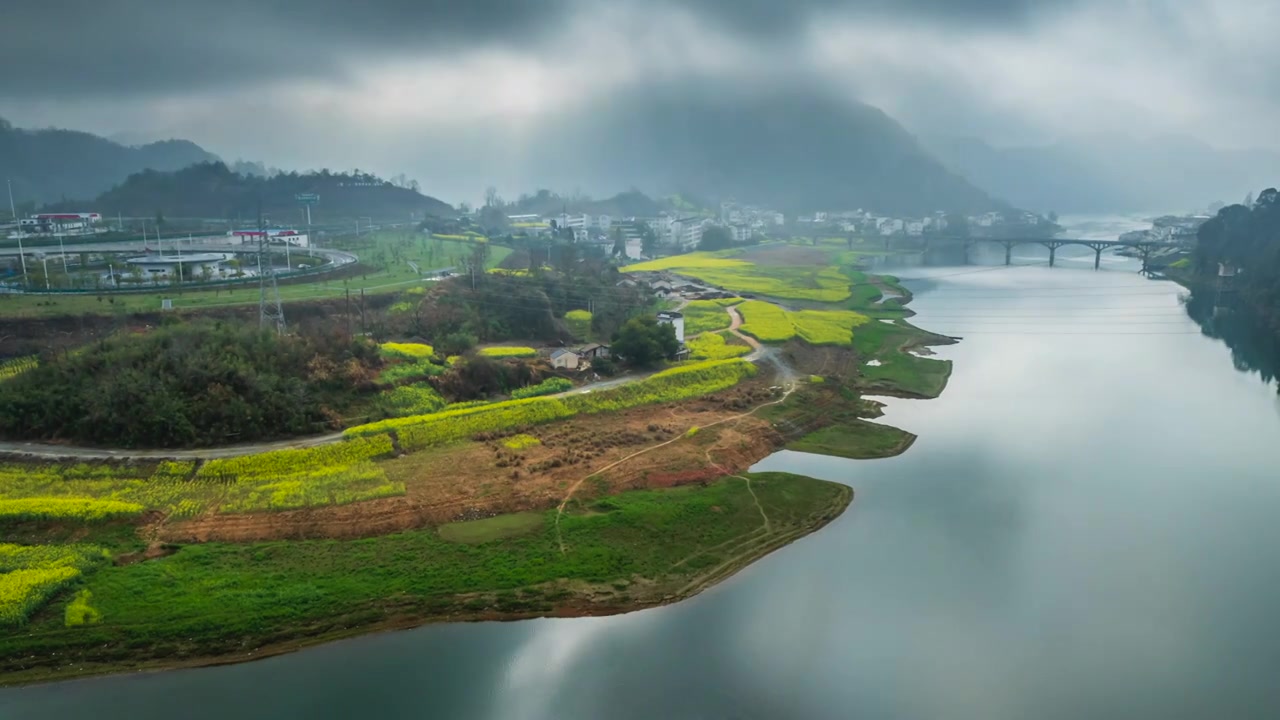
point(215, 599)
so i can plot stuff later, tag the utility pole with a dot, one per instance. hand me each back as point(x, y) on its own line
point(14, 210)
point(270, 312)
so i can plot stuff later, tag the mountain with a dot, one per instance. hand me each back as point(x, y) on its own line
point(50, 165)
point(794, 148)
point(212, 190)
point(1111, 173)
point(631, 203)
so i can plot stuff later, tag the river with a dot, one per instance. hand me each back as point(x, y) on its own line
point(1085, 528)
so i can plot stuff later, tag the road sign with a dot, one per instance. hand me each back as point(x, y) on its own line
point(307, 198)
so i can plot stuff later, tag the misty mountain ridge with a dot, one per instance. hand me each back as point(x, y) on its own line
point(792, 148)
point(212, 190)
point(53, 164)
point(1108, 173)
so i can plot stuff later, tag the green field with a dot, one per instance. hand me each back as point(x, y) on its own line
point(855, 439)
point(908, 374)
point(474, 532)
point(387, 254)
point(213, 599)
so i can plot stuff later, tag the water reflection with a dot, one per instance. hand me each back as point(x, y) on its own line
point(1083, 529)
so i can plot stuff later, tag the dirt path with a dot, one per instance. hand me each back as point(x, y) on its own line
point(787, 390)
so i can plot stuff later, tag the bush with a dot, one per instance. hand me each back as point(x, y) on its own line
point(713, 346)
point(448, 426)
point(191, 384)
point(579, 322)
point(411, 351)
point(550, 386)
point(82, 509)
point(508, 351)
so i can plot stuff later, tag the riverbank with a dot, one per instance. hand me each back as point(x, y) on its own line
point(582, 504)
point(244, 602)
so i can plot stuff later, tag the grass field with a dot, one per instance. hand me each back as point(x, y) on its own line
point(855, 439)
point(908, 374)
point(474, 532)
point(212, 599)
point(388, 254)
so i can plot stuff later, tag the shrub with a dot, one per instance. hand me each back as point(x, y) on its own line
point(521, 441)
point(410, 400)
point(713, 346)
point(508, 352)
point(79, 612)
point(448, 426)
point(411, 351)
point(82, 509)
point(285, 462)
point(579, 322)
point(13, 367)
point(550, 386)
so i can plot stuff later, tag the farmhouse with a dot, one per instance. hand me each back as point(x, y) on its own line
point(564, 359)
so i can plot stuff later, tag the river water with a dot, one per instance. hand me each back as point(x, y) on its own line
point(1086, 528)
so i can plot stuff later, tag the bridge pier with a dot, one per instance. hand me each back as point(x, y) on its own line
point(1008, 253)
point(1097, 258)
point(1053, 254)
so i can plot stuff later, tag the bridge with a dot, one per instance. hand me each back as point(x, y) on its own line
point(1144, 248)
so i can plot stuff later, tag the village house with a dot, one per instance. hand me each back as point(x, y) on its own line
point(564, 359)
point(593, 351)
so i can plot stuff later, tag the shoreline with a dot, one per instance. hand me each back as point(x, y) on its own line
point(720, 547)
point(584, 608)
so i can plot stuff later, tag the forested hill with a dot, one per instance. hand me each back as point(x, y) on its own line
point(1249, 239)
point(796, 149)
point(632, 203)
point(51, 165)
point(211, 190)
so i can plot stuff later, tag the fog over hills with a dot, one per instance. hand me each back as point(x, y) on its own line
point(52, 164)
point(1112, 172)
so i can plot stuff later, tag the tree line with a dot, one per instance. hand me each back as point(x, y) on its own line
point(1246, 238)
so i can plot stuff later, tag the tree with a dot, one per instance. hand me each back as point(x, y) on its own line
point(1053, 216)
point(957, 225)
point(619, 242)
point(716, 237)
point(648, 238)
point(643, 341)
point(491, 198)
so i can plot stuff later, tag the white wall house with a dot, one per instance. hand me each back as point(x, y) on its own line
point(673, 318)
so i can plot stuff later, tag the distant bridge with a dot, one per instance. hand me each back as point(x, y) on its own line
point(1144, 248)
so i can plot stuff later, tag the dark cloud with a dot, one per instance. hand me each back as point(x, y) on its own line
point(66, 48)
point(60, 48)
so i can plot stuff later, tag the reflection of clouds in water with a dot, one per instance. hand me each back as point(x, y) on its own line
point(538, 670)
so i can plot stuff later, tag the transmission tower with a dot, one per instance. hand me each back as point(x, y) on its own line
point(270, 312)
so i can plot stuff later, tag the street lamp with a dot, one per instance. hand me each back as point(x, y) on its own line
point(18, 223)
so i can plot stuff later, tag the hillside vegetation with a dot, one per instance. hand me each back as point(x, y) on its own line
point(52, 164)
point(188, 385)
point(212, 190)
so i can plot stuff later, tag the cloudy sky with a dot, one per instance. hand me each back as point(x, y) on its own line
point(432, 87)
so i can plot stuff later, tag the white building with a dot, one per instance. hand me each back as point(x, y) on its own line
point(275, 236)
point(565, 359)
point(741, 233)
point(914, 227)
point(193, 265)
point(891, 226)
point(61, 224)
point(675, 319)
